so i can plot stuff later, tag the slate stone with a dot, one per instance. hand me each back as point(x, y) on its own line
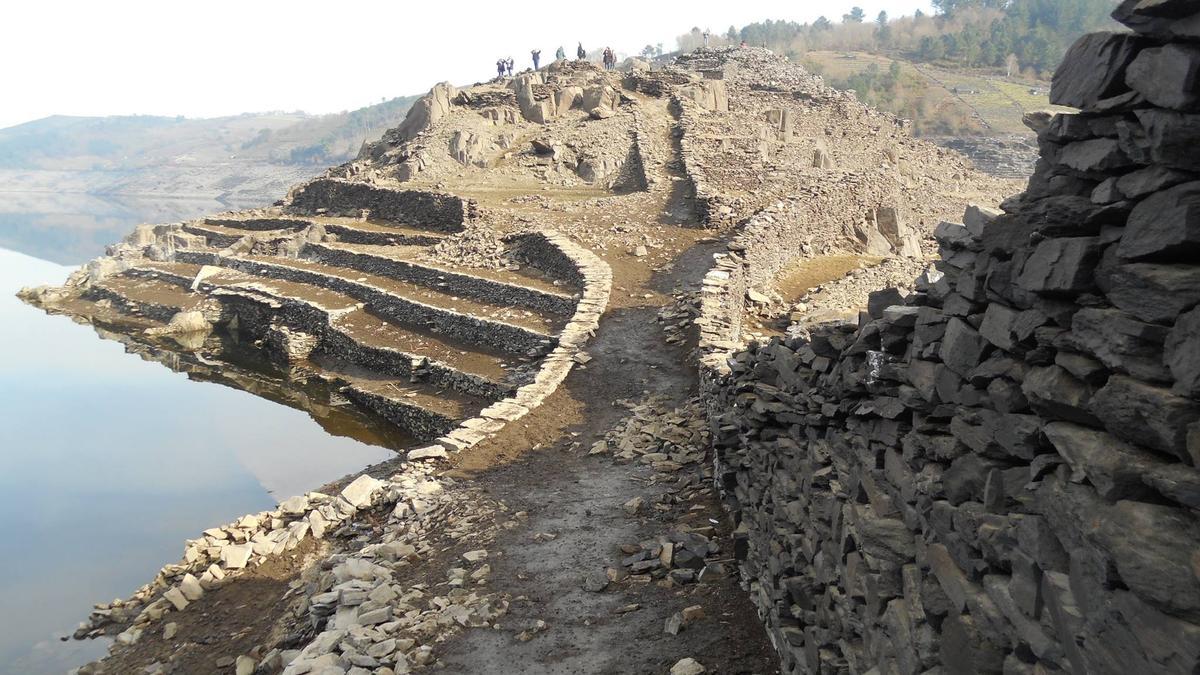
point(1165, 226)
point(1094, 156)
point(1157, 293)
point(1061, 266)
point(877, 301)
point(1142, 182)
point(1121, 342)
point(1055, 394)
point(1112, 466)
point(1182, 354)
point(1083, 368)
point(1006, 396)
point(1106, 192)
point(1093, 70)
point(1146, 415)
point(1167, 76)
point(1162, 19)
point(1169, 138)
point(1065, 128)
point(962, 347)
point(1153, 548)
point(997, 327)
point(976, 218)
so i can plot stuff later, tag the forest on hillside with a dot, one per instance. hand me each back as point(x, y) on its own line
point(937, 70)
point(1016, 36)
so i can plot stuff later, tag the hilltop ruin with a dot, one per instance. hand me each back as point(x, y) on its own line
point(597, 304)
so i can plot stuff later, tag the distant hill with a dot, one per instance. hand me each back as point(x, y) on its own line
point(245, 157)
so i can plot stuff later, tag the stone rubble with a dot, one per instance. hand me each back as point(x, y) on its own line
point(362, 616)
point(667, 440)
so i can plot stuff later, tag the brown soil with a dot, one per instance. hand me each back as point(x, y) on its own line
point(809, 273)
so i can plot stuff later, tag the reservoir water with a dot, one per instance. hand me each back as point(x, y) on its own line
point(108, 462)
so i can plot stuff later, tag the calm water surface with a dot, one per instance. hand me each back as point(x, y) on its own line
point(108, 462)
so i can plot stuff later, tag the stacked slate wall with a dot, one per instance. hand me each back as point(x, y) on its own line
point(999, 475)
point(339, 197)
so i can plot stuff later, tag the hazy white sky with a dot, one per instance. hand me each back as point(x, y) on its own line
point(221, 57)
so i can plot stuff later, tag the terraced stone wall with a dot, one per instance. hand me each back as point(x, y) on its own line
point(999, 475)
point(595, 280)
point(339, 197)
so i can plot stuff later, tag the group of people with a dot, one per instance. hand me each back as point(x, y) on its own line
point(610, 58)
point(504, 66)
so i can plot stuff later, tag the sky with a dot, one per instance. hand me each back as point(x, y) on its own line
point(224, 57)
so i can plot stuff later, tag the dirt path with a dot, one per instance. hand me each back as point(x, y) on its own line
point(578, 501)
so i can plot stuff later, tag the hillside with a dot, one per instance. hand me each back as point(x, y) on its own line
point(254, 156)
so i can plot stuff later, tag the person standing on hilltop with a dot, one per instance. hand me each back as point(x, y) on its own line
point(509, 65)
point(581, 52)
point(537, 57)
point(561, 54)
point(500, 66)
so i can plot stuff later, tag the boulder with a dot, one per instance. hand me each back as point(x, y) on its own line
point(1165, 226)
point(600, 95)
point(360, 492)
point(1167, 76)
point(426, 112)
point(1093, 70)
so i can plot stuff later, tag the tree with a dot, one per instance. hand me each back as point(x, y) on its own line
point(732, 34)
point(856, 15)
point(822, 24)
point(649, 52)
point(883, 30)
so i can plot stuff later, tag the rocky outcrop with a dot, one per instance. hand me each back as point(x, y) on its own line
point(999, 474)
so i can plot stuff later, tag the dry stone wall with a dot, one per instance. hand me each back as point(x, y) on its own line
point(999, 475)
point(338, 197)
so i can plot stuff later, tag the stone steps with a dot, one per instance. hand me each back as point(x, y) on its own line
point(344, 328)
point(350, 230)
point(399, 303)
point(419, 408)
point(149, 298)
point(219, 236)
point(383, 261)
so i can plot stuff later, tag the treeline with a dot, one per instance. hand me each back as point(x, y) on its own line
point(1017, 36)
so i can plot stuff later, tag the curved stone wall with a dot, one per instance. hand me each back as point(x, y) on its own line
point(999, 475)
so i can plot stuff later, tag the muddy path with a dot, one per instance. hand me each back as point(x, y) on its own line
point(575, 501)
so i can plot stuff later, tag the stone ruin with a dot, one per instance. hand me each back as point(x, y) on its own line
point(998, 474)
point(342, 289)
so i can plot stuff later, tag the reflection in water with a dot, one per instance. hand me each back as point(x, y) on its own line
point(72, 228)
point(108, 462)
